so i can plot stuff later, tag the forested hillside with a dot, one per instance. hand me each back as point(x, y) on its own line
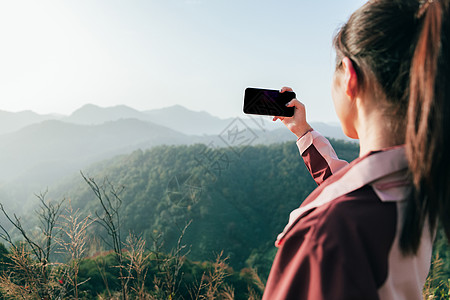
point(238, 199)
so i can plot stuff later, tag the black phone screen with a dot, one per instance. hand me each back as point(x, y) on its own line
point(268, 102)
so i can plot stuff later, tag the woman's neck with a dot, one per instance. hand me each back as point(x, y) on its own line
point(376, 133)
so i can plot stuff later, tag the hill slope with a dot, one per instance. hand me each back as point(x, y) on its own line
point(238, 201)
point(10, 122)
point(29, 152)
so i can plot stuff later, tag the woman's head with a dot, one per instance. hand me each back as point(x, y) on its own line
point(400, 50)
point(379, 40)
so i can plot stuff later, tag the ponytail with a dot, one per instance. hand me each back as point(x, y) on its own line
point(428, 126)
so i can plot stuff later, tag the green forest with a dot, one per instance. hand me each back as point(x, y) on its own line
point(171, 222)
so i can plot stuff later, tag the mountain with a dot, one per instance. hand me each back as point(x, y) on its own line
point(196, 123)
point(53, 148)
point(10, 122)
point(176, 117)
point(43, 152)
point(91, 114)
point(187, 121)
point(36, 155)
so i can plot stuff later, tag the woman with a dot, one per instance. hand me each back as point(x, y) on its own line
point(366, 232)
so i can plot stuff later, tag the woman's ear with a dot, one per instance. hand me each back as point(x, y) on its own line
point(350, 78)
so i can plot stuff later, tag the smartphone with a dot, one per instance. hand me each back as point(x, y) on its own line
point(268, 102)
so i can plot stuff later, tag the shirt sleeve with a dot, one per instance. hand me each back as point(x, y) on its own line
point(319, 156)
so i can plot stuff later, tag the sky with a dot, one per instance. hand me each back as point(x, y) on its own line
point(56, 56)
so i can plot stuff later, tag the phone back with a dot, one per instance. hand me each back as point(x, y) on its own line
point(268, 102)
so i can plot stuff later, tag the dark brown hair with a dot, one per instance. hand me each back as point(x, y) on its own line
point(401, 47)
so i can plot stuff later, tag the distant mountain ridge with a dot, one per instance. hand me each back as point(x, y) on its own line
point(91, 114)
point(13, 121)
point(67, 144)
point(189, 122)
point(174, 117)
point(44, 148)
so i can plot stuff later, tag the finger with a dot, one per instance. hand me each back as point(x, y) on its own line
point(295, 103)
point(285, 89)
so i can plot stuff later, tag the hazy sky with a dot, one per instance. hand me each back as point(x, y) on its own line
point(56, 56)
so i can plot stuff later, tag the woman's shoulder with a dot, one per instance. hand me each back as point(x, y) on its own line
point(360, 211)
point(357, 217)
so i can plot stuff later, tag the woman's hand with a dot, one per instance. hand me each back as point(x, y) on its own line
point(297, 123)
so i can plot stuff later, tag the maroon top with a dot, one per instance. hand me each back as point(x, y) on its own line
point(342, 241)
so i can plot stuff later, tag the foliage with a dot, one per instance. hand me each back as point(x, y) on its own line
point(438, 281)
point(238, 198)
point(32, 274)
